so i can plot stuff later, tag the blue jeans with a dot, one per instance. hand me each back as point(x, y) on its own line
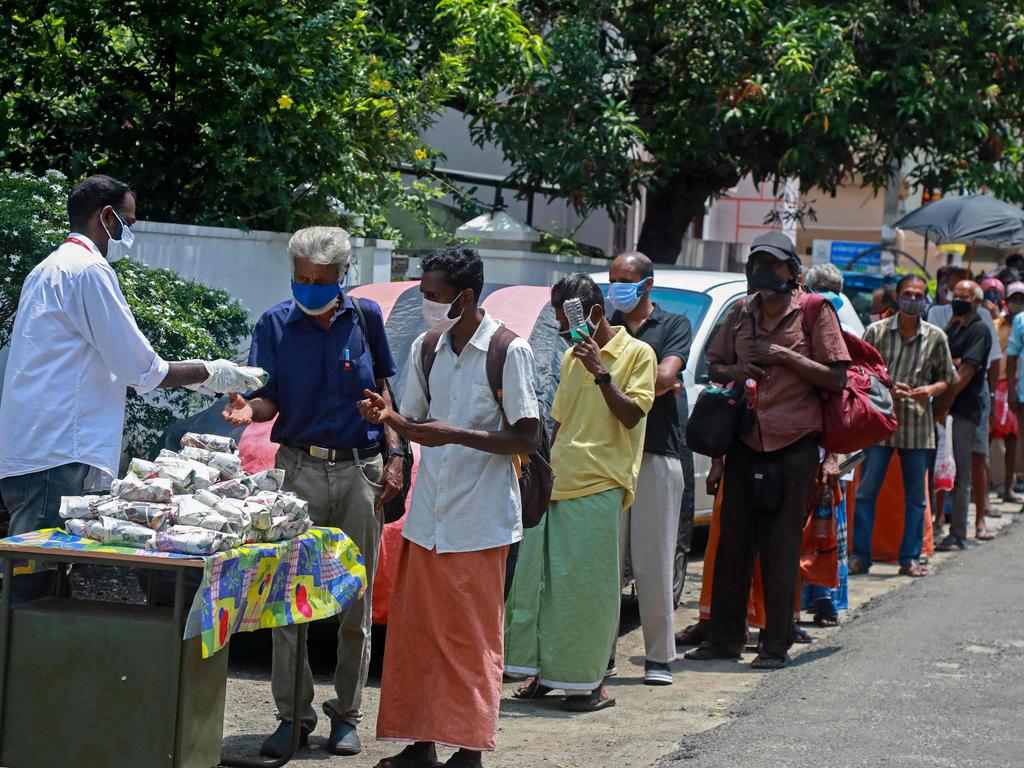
point(914, 462)
point(33, 502)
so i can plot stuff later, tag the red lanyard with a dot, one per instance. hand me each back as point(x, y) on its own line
point(76, 241)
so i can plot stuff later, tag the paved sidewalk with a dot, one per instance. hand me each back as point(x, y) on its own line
point(647, 723)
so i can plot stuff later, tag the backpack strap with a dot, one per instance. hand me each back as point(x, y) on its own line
point(497, 353)
point(810, 310)
point(428, 351)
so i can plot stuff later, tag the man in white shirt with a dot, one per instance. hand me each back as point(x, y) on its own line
point(75, 350)
point(443, 662)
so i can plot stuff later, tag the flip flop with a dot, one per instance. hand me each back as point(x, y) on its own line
point(993, 512)
point(461, 760)
point(801, 636)
point(532, 690)
point(769, 662)
point(857, 567)
point(914, 570)
point(594, 701)
point(984, 534)
point(708, 651)
point(401, 760)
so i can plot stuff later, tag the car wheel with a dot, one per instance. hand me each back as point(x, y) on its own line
point(682, 560)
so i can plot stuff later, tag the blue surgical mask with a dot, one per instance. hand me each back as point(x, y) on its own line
point(315, 299)
point(625, 296)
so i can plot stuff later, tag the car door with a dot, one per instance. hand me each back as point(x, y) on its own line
point(702, 464)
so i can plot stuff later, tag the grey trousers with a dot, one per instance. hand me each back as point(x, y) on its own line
point(648, 533)
point(340, 495)
point(963, 442)
point(33, 502)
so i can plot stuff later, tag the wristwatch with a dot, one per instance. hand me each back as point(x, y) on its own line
point(396, 453)
point(604, 378)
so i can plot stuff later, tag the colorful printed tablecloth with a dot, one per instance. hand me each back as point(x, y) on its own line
point(256, 586)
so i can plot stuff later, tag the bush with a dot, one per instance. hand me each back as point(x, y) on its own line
point(181, 318)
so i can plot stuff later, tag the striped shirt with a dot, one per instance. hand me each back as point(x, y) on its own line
point(917, 361)
point(788, 406)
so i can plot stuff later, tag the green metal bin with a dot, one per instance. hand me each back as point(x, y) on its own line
point(104, 685)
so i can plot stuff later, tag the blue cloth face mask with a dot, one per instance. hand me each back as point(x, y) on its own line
point(120, 242)
point(625, 296)
point(315, 299)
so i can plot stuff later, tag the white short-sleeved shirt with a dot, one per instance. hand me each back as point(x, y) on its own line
point(466, 500)
point(74, 352)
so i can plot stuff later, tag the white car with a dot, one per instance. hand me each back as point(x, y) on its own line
point(705, 298)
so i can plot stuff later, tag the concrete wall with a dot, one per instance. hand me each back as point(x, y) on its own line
point(251, 266)
point(450, 135)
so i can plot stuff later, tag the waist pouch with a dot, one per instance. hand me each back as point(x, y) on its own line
point(765, 482)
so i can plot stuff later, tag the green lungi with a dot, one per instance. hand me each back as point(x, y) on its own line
point(562, 615)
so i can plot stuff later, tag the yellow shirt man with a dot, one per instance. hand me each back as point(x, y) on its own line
point(594, 451)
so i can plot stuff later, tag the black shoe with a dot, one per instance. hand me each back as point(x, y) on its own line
point(656, 673)
point(612, 670)
point(280, 741)
point(343, 739)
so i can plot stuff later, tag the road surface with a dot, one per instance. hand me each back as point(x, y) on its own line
point(931, 675)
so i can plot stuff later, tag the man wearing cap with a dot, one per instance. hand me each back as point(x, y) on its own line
point(918, 359)
point(1014, 320)
point(770, 470)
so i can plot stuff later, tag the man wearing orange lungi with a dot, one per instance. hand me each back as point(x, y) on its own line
point(443, 659)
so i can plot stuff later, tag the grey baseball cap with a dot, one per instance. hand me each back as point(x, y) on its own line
point(775, 243)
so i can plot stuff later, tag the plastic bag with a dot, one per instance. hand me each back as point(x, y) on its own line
point(945, 466)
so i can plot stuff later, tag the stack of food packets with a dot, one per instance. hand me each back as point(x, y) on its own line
point(196, 502)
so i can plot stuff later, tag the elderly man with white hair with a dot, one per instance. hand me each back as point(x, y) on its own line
point(323, 350)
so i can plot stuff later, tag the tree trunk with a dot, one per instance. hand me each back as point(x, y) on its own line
point(670, 208)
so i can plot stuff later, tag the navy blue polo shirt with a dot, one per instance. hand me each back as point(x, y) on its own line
point(317, 375)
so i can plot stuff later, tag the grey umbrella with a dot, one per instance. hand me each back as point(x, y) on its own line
point(976, 219)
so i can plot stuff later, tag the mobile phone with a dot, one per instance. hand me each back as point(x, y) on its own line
point(573, 309)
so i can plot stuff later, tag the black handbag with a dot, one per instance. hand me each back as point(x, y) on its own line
point(718, 418)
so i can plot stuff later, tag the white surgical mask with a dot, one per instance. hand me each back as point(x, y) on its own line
point(118, 249)
point(435, 314)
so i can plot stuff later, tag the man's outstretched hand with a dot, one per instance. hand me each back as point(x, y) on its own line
point(238, 411)
point(373, 408)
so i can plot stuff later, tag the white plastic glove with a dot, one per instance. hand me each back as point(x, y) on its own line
point(225, 376)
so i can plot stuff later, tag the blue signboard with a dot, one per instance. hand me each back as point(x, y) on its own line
point(841, 253)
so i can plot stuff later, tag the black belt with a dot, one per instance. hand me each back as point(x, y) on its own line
point(338, 454)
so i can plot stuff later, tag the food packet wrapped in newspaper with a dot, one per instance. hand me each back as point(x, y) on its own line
point(228, 464)
point(194, 541)
point(124, 533)
point(187, 475)
point(142, 468)
point(111, 532)
point(235, 512)
point(268, 480)
point(86, 529)
point(291, 506)
point(218, 443)
point(207, 497)
point(158, 490)
point(198, 515)
point(260, 507)
point(79, 507)
point(285, 528)
point(239, 488)
point(152, 516)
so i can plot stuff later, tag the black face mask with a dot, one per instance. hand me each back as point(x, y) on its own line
point(764, 277)
point(961, 307)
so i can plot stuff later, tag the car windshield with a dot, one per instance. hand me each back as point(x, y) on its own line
point(693, 304)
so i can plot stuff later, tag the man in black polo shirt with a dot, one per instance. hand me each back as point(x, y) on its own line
point(969, 343)
point(649, 529)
